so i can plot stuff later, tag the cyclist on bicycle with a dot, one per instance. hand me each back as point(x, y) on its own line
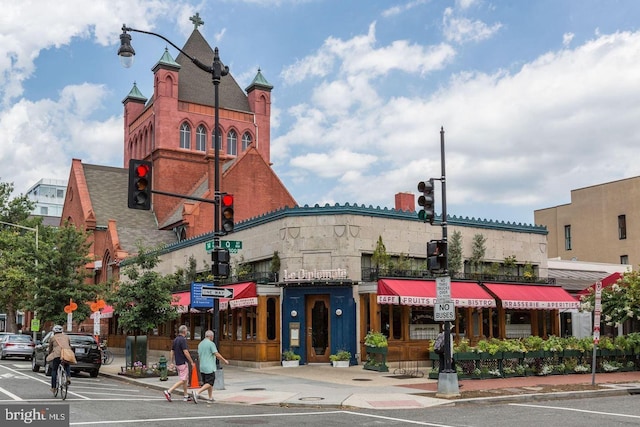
point(57, 342)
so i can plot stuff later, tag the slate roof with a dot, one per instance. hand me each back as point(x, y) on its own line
point(108, 191)
point(195, 85)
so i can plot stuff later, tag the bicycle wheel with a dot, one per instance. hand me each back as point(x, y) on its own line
point(107, 357)
point(62, 382)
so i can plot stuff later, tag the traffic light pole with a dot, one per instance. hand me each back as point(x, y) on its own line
point(448, 378)
point(217, 71)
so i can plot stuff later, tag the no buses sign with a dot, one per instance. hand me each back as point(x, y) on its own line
point(444, 311)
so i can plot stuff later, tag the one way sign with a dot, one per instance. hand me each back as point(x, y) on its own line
point(216, 292)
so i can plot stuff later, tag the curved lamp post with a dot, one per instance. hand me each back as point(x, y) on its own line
point(217, 70)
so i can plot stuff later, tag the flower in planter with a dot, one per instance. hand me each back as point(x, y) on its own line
point(611, 366)
point(343, 355)
point(582, 369)
point(290, 355)
point(375, 339)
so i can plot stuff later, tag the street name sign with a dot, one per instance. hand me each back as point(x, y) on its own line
point(232, 245)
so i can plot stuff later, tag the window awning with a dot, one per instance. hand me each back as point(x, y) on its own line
point(423, 293)
point(105, 313)
point(532, 297)
point(606, 282)
point(182, 301)
point(244, 295)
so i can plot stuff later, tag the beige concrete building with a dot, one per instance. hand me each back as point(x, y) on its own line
point(599, 225)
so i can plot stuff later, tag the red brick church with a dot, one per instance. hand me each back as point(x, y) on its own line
point(174, 130)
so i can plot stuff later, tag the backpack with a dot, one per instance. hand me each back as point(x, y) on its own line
point(438, 346)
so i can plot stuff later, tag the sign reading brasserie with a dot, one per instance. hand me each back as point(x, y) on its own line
point(302, 274)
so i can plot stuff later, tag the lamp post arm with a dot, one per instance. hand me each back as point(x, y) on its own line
point(196, 61)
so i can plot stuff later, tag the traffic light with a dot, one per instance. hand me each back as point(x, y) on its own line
point(436, 255)
point(139, 185)
point(220, 262)
point(426, 200)
point(226, 202)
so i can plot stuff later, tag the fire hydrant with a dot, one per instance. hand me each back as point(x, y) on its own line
point(162, 367)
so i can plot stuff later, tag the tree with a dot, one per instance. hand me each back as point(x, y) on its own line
point(63, 254)
point(454, 252)
point(18, 253)
point(380, 258)
point(478, 251)
point(144, 300)
point(620, 301)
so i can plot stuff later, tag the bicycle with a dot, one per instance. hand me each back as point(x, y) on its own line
point(62, 381)
point(107, 356)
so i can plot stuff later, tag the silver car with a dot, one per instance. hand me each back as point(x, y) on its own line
point(17, 345)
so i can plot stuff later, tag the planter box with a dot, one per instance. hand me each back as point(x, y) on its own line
point(377, 350)
point(573, 353)
point(376, 359)
point(512, 355)
point(290, 363)
point(340, 363)
point(379, 368)
point(534, 354)
point(465, 356)
point(485, 355)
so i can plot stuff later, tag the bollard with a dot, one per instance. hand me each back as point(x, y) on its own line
point(162, 367)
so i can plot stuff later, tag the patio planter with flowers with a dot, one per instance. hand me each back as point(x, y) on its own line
point(376, 347)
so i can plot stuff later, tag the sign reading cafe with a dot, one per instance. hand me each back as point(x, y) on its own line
point(302, 274)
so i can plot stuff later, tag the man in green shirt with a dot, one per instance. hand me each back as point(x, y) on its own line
point(207, 352)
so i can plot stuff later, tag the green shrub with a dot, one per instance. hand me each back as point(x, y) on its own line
point(375, 339)
point(341, 355)
point(290, 355)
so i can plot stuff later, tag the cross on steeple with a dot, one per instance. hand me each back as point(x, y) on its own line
point(196, 21)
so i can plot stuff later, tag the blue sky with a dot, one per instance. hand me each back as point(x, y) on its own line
point(536, 97)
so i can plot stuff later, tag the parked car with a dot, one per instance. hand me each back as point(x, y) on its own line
point(16, 345)
point(84, 345)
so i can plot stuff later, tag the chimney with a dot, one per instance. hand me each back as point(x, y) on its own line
point(405, 202)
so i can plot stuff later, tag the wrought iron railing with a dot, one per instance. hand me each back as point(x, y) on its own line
point(372, 274)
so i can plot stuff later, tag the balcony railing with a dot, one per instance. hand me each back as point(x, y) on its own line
point(373, 274)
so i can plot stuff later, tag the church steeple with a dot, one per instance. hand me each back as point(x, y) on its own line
point(259, 82)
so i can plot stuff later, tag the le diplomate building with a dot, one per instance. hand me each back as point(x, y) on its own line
point(305, 277)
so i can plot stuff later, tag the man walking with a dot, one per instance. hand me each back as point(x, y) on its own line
point(180, 355)
point(208, 353)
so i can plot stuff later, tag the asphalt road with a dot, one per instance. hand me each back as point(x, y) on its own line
point(103, 401)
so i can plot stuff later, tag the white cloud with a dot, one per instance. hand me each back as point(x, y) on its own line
point(567, 117)
point(463, 30)
point(567, 38)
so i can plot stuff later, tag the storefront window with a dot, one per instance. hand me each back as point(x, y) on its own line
point(421, 324)
point(391, 321)
point(517, 323)
point(271, 319)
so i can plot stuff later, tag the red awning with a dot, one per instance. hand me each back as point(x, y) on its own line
point(244, 295)
point(532, 297)
point(423, 293)
point(182, 301)
point(606, 282)
point(105, 313)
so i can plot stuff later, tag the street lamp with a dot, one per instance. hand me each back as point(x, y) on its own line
point(35, 279)
point(217, 71)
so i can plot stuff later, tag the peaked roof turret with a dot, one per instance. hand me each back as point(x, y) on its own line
point(195, 85)
point(259, 82)
point(167, 61)
point(135, 94)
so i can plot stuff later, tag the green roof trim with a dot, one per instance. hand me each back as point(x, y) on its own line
point(348, 209)
point(166, 60)
point(135, 94)
point(259, 82)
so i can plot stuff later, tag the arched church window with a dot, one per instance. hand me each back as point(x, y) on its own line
point(185, 136)
point(201, 138)
point(246, 141)
point(232, 143)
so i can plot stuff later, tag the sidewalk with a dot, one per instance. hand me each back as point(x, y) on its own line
point(325, 386)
